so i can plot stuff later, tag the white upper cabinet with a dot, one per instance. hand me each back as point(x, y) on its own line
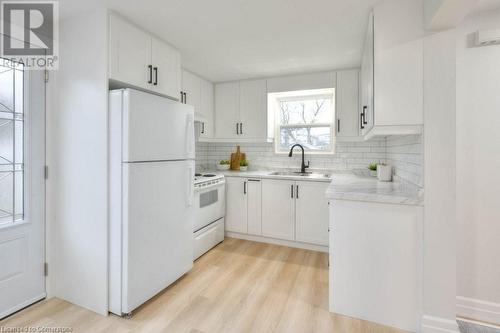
point(137, 59)
point(347, 98)
point(129, 53)
point(191, 87)
point(253, 109)
point(366, 111)
point(241, 110)
point(166, 68)
point(206, 112)
point(227, 110)
point(398, 62)
point(392, 70)
point(199, 93)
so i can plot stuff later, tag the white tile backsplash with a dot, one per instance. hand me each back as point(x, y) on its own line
point(404, 153)
point(351, 155)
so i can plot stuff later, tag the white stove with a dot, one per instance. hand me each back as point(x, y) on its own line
point(209, 210)
point(206, 179)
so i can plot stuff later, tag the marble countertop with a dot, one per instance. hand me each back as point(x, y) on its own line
point(369, 189)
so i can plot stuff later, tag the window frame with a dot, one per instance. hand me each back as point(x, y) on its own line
point(299, 95)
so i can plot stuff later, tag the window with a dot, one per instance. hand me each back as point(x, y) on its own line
point(11, 142)
point(305, 117)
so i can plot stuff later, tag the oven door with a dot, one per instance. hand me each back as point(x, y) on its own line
point(209, 205)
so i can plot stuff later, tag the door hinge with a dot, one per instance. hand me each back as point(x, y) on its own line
point(46, 76)
point(46, 269)
point(46, 172)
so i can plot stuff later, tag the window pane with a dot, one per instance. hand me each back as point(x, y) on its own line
point(6, 89)
point(315, 138)
point(11, 145)
point(6, 141)
point(6, 197)
point(305, 111)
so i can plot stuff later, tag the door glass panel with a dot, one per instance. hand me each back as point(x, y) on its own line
point(11, 143)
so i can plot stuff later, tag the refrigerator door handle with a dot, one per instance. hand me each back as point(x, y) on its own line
point(190, 186)
point(189, 134)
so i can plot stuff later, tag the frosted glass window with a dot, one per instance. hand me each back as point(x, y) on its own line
point(11, 142)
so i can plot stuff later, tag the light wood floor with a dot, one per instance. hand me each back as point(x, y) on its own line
point(239, 286)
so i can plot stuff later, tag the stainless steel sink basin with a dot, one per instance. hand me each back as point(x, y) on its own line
point(300, 174)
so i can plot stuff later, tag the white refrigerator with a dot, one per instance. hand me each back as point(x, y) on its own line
point(151, 191)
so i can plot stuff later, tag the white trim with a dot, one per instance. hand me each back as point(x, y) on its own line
point(393, 130)
point(22, 305)
point(275, 241)
point(484, 311)
point(431, 324)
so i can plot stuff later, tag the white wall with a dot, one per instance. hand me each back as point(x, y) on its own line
point(439, 183)
point(478, 171)
point(77, 159)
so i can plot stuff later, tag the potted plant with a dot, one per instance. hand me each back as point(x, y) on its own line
point(223, 165)
point(373, 169)
point(243, 165)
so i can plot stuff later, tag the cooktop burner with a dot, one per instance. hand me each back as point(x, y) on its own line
point(197, 174)
point(208, 175)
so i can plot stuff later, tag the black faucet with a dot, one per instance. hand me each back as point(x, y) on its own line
point(303, 167)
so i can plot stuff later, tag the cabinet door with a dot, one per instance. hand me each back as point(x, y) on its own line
point(236, 204)
point(367, 79)
point(191, 85)
point(253, 109)
point(129, 53)
point(227, 110)
point(347, 98)
point(254, 207)
point(167, 69)
point(278, 207)
point(311, 213)
point(207, 108)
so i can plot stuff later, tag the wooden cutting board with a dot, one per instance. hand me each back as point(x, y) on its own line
point(236, 158)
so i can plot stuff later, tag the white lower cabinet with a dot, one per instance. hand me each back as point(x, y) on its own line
point(295, 211)
point(254, 204)
point(236, 204)
point(278, 209)
point(375, 262)
point(311, 213)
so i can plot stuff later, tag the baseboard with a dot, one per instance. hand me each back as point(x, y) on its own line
point(275, 241)
point(432, 324)
point(482, 311)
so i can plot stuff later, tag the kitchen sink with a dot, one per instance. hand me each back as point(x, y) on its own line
point(300, 174)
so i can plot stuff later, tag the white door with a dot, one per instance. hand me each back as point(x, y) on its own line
point(278, 206)
point(236, 204)
point(166, 69)
point(155, 128)
point(130, 54)
point(311, 213)
point(253, 109)
point(22, 188)
point(157, 228)
point(227, 110)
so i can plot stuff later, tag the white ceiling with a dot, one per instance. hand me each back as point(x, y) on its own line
point(225, 40)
